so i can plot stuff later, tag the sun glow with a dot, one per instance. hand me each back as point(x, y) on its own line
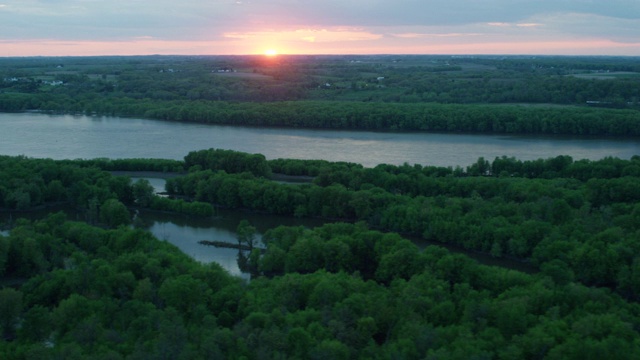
point(271, 52)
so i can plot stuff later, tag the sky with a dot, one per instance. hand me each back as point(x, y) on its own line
point(238, 27)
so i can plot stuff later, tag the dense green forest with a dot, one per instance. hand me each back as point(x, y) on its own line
point(527, 95)
point(354, 288)
point(357, 287)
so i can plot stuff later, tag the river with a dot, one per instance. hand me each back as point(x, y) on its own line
point(72, 137)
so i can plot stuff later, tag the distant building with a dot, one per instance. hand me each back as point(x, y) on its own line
point(224, 70)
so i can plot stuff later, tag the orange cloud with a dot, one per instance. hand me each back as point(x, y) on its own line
point(299, 40)
point(309, 35)
point(329, 42)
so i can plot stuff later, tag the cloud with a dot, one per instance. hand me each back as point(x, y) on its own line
point(584, 25)
point(186, 18)
point(506, 24)
point(308, 35)
point(529, 25)
point(435, 35)
point(242, 23)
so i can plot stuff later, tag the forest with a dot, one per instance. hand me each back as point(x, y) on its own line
point(353, 288)
point(484, 94)
point(96, 285)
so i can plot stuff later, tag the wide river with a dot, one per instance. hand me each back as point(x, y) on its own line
point(73, 137)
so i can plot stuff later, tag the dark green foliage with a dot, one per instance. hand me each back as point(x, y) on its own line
point(364, 294)
point(505, 119)
point(232, 162)
point(196, 208)
point(28, 183)
point(155, 165)
point(11, 303)
point(143, 193)
point(113, 213)
point(340, 290)
point(246, 234)
point(570, 95)
point(580, 212)
point(537, 211)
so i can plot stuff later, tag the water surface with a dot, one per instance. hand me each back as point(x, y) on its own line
point(72, 137)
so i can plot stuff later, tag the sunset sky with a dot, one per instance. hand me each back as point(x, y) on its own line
point(141, 27)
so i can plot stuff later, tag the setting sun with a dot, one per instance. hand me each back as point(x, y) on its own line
point(271, 52)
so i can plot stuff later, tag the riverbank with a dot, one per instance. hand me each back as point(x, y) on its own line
point(147, 174)
point(170, 175)
point(228, 245)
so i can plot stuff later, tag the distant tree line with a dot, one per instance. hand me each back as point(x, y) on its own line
point(430, 117)
point(437, 94)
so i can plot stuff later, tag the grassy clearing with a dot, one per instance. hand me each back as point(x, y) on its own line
point(609, 75)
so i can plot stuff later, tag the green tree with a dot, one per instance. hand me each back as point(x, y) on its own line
point(113, 213)
point(183, 293)
point(10, 309)
point(4, 252)
point(37, 324)
point(143, 193)
point(559, 271)
point(246, 234)
point(329, 349)
point(19, 199)
point(273, 261)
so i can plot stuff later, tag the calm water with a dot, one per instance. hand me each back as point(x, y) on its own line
point(185, 232)
point(72, 137)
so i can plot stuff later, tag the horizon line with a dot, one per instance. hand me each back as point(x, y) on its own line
point(328, 54)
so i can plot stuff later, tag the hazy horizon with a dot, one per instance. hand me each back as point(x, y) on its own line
point(330, 27)
point(326, 55)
